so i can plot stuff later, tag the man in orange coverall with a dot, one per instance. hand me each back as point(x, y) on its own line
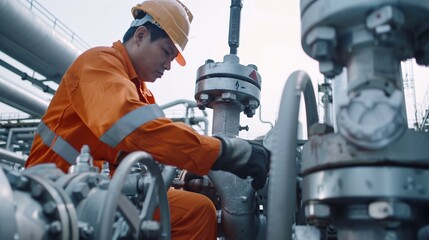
point(103, 102)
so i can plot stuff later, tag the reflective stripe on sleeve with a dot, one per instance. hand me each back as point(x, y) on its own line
point(57, 144)
point(130, 122)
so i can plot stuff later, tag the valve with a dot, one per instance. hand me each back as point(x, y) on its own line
point(84, 162)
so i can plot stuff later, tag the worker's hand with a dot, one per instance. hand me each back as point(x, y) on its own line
point(244, 158)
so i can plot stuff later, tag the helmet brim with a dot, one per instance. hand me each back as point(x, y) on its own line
point(179, 58)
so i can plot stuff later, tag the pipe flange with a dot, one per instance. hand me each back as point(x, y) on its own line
point(231, 68)
point(56, 210)
point(364, 183)
point(8, 223)
point(228, 81)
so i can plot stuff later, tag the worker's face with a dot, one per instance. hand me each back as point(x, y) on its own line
point(151, 59)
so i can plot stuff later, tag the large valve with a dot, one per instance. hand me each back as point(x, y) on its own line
point(230, 88)
point(42, 202)
point(366, 177)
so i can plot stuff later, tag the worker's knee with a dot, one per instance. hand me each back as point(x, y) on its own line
point(192, 204)
point(203, 206)
point(193, 216)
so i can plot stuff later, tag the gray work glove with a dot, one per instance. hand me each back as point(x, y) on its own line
point(244, 158)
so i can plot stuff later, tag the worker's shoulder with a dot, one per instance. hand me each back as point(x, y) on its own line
point(102, 50)
point(102, 54)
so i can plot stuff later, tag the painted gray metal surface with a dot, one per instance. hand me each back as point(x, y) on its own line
point(22, 99)
point(45, 51)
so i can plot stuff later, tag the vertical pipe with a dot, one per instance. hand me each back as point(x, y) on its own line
point(226, 118)
point(239, 221)
point(234, 26)
point(12, 131)
point(327, 102)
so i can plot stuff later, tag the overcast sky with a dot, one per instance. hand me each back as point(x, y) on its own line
point(269, 38)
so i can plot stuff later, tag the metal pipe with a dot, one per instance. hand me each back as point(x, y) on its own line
point(234, 26)
point(12, 157)
point(327, 102)
point(22, 99)
point(13, 130)
point(189, 103)
point(25, 136)
point(238, 197)
point(282, 182)
point(25, 76)
point(239, 221)
point(226, 118)
point(310, 102)
point(206, 124)
point(48, 52)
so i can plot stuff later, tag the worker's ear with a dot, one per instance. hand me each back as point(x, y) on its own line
point(140, 33)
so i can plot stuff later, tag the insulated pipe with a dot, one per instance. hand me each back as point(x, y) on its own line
point(22, 99)
point(31, 41)
point(283, 173)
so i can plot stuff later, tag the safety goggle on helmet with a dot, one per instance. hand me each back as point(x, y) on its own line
point(172, 16)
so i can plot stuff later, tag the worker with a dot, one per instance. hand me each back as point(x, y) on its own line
point(103, 102)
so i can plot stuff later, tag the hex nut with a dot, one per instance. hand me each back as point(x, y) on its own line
point(49, 208)
point(317, 210)
point(80, 191)
point(229, 96)
point(389, 209)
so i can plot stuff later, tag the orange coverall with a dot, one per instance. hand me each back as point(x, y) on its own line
point(101, 102)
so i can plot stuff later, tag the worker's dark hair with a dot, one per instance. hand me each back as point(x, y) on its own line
point(155, 32)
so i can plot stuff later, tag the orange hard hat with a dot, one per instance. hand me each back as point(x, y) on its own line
point(173, 17)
